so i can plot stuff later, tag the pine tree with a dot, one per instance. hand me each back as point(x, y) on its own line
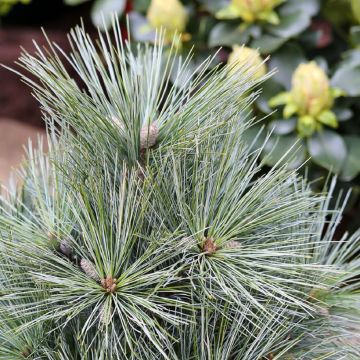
point(149, 230)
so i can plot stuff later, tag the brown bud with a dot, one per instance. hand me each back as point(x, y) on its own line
point(109, 284)
point(26, 352)
point(89, 269)
point(148, 136)
point(209, 246)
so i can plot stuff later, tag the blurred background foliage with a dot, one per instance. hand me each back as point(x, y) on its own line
point(311, 103)
point(314, 47)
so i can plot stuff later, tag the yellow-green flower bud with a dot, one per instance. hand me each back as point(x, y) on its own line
point(170, 15)
point(311, 98)
point(311, 90)
point(247, 60)
point(252, 10)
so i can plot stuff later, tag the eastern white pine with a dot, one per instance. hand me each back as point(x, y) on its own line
point(203, 256)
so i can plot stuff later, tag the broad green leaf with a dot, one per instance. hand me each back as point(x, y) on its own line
point(267, 44)
point(290, 25)
point(225, 34)
point(103, 10)
point(283, 127)
point(278, 146)
point(348, 79)
point(309, 7)
point(351, 166)
point(328, 149)
point(254, 137)
point(352, 58)
point(343, 114)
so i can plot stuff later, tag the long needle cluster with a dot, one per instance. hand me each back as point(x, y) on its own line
point(150, 231)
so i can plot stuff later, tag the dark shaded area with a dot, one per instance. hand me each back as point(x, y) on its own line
point(20, 27)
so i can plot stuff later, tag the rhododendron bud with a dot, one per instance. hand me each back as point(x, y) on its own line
point(311, 89)
point(252, 10)
point(248, 60)
point(168, 14)
point(311, 98)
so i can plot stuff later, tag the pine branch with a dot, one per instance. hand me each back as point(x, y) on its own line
point(150, 231)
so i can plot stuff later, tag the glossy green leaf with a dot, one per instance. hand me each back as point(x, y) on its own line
point(343, 114)
point(288, 150)
point(283, 127)
point(291, 24)
point(103, 10)
point(309, 7)
point(347, 79)
point(351, 166)
point(328, 149)
point(254, 137)
point(352, 58)
point(225, 34)
point(267, 44)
